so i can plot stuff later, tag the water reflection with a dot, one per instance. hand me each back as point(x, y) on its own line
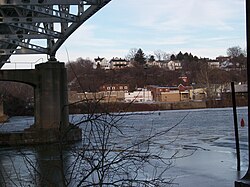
point(37, 166)
point(51, 163)
point(14, 168)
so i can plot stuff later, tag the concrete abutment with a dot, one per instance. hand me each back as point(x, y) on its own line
point(51, 105)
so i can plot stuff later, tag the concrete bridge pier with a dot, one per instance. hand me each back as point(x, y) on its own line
point(51, 105)
point(51, 96)
point(49, 81)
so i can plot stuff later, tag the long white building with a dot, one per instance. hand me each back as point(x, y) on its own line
point(140, 95)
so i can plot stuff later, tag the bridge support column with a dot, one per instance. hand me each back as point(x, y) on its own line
point(51, 96)
point(51, 107)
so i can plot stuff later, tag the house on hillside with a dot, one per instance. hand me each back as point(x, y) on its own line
point(213, 64)
point(154, 63)
point(119, 63)
point(226, 65)
point(174, 65)
point(101, 63)
point(223, 58)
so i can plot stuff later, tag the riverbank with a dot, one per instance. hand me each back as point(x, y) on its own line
point(98, 107)
point(90, 107)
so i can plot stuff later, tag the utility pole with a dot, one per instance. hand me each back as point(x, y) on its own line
point(245, 181)
point(236, 133)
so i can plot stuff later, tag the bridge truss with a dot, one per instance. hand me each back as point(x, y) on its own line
point(41, 26)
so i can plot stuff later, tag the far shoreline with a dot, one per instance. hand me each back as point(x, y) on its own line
point(86, 108)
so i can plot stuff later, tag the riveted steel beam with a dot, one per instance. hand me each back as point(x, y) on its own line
point(22, 51)
point(31, 19)
point(54, 2)
point(27, 36)
point(51, 12)
point(41, 26)
point(26, 45)
point(35, 29)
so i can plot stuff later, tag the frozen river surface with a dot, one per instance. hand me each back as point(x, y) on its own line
point(208, 135)
point(204, 140)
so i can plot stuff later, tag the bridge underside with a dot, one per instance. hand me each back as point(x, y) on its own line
point(49, 81)
point(41, 26)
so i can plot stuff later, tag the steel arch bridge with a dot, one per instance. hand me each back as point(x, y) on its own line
point(41, 26)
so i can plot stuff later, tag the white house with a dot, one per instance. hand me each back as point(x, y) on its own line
point(226, 65)
point(174, 65)
point(214, 64)
point(154, 63)
point(140, 95)
point(102, 63)
point(118, 63)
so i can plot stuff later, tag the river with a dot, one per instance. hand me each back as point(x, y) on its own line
point(202, 142)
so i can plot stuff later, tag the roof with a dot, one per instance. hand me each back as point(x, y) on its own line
point(118, 60)
point(239, 88)
point(98, 59)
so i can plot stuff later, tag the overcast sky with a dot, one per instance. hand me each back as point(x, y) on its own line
point(205, 28)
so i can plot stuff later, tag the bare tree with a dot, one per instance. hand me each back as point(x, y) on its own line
point(131, 54)
point(234, 51)
point(161, 55)
point(108, 155)
point(166, 56)
point(158, 54)
point(18, 98)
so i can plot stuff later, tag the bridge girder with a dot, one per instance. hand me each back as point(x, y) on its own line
point(41, 26)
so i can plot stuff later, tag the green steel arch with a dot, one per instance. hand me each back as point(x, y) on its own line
point(41, 26)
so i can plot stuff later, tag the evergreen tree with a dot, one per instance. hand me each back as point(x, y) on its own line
point(140, 57)
point(151, 58)
point(196, 58)
point(172, 57)
point(180, 56)
point(186, 56)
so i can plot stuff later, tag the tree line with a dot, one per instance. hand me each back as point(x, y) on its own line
point(83, 77)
